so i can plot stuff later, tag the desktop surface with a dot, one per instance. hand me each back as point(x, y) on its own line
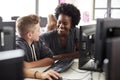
point(73, 73)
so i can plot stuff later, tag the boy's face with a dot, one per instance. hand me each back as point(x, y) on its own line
point(35, 35)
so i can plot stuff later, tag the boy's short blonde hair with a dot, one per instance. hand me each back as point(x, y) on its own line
point(26, 24)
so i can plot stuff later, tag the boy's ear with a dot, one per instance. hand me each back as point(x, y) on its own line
point(29, 35)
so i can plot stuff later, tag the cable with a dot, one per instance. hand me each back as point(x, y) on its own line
point(78, 70)
point(78, 79)
point(105, 14)
point(100, 75)
point(91, 74)
point(85, 76)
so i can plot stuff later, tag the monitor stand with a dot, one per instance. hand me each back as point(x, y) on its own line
point(90, 66)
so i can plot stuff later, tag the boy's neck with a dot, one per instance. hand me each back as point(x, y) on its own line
point(28, 41)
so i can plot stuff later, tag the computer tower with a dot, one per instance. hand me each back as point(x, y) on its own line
point(113, 54)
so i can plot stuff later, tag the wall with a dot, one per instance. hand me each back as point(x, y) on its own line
point(86, 9)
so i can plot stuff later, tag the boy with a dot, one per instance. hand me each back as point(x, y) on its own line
point(36, 55)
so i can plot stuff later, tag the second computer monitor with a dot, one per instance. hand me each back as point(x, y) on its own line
point(7, 35)
point(86, 43)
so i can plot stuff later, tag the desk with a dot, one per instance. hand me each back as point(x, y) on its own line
point(75, 74)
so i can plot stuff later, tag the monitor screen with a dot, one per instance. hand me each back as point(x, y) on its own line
point(11, 65)
point(7, 36)
point(86, 43)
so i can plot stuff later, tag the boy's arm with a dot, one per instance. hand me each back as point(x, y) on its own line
point(28, 73)
point(40, 63)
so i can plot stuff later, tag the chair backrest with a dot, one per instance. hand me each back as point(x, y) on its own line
point(14, 17)
point(43, 21)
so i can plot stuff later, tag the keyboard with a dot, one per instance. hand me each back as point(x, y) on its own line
point(61, 65)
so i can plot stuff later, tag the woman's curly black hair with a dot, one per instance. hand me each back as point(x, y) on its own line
point(69, 10)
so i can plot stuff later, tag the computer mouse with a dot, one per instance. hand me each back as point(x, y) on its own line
point(57, 79)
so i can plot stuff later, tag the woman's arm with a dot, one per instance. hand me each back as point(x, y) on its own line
point(66, 55)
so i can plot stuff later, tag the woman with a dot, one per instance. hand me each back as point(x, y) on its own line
point(64, 41)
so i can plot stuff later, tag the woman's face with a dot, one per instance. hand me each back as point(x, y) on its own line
point(64, 24)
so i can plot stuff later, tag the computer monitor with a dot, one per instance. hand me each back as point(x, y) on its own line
point(7, 35)
point(86, 44)
point(112, 64)
point(105, 28)
point(11, 65)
